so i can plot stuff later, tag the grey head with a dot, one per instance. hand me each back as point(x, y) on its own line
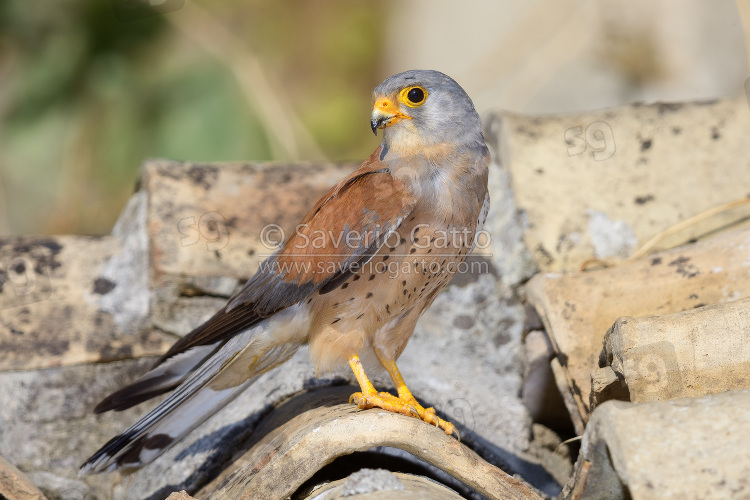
point(422, 108)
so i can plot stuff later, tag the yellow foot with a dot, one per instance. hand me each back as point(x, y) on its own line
point(409, 407)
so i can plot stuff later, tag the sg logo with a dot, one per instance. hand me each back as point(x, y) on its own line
point(211, 227)
point(598, 136)
point(24, 277)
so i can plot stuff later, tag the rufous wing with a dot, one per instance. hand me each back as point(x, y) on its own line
point(344, 229)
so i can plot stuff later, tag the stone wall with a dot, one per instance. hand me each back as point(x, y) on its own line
point(514, 351)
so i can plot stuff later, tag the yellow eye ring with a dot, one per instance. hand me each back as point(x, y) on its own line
point(413, 96)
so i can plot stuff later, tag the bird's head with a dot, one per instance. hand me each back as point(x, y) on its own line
point(420, 108)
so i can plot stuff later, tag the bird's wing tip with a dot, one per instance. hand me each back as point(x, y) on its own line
point(89, 468)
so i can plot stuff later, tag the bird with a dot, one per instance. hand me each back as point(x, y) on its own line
point(351, 281)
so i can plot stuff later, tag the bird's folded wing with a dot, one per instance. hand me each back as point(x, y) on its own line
point(340, 233)
point(206, 390)
point(182, 359)
point(162, 378)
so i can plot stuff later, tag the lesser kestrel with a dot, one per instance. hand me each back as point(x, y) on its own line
point(352, 280)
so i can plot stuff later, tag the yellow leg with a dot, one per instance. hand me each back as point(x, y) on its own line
point(369, 397)
point(405, 403)
point(359, 373)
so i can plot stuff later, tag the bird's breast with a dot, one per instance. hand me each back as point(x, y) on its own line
point(415, 262)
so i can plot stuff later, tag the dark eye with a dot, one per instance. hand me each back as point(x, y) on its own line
point(415, 95)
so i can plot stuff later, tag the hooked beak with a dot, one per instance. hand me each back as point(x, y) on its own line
point(376, 123)
point(385, 114)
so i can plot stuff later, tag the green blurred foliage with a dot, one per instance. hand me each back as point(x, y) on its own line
point(86, 96)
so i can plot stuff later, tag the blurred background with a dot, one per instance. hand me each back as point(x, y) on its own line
point(90, 88)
